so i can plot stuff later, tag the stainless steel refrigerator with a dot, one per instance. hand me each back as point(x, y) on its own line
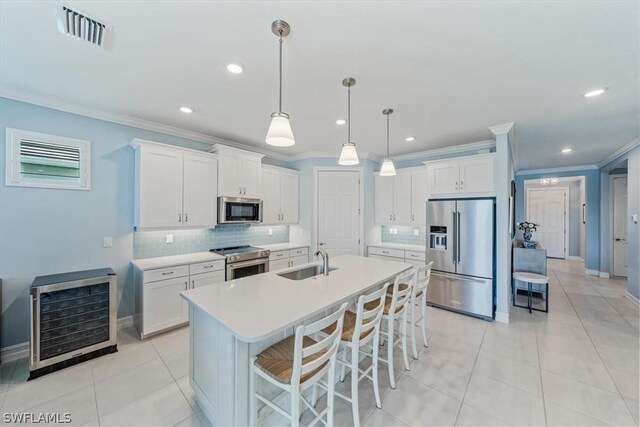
point(461, 242)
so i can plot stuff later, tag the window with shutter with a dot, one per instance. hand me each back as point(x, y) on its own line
point(41, 160)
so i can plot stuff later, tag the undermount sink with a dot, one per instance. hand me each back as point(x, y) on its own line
point(304, 273)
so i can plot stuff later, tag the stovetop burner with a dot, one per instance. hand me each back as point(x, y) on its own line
point(241, 253)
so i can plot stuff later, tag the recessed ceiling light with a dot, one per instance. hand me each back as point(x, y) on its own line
point(186, 110)
point(567, 150)
point(341, 121)
point(235, 68)
point(410, 138)
point(595, 92)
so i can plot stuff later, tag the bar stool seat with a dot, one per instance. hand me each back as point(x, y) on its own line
point(348, 327)
point(530, 279)
point(277, 360)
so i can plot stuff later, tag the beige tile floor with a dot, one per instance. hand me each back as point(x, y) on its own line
point(576, 366)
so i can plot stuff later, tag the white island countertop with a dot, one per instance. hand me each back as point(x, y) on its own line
point(256, 307)
point(400, 246)
point(283, 246)
point(173, 260)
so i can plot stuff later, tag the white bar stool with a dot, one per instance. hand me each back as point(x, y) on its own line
point(297, 363)
point(360, 329)
point(419, 298)
point(531, 278)
point(395, 309)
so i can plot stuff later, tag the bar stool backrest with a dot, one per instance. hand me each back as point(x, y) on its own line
point(401, 297)
point(423, 275)
point(319, 353)
point(367, 320)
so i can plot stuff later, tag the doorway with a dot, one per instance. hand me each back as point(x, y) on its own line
point(338, 224)
point(619, 195)
point(547, 207)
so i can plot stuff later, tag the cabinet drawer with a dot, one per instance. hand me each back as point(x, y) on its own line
point(412, 255)
point(205, 267)
point(279, 255)
point(395, 253)
point(165, 273)
point(299, 252)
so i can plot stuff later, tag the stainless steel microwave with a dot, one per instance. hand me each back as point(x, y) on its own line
point(238, 210)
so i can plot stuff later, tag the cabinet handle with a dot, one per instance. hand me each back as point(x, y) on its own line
point(244, 190)
point(186, 286)
point(461, 185)
point(282, 217)
point(186, 217)
point(413, 218)
point(167, 273)
point(456, 185)
point(390, 217)
point(193, 284)
point(208, 266)
point(239, 190)
point(385, 252)
point(179, 217)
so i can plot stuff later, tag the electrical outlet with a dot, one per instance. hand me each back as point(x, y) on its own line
point(107, 242)
point(270, 232)
point(169, 238)
point(416, 232)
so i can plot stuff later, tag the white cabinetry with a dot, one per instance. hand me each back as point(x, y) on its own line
point(239, 172)
point(465, 176)
point(174, 187)
point(158, 304)
point(400, 200)
point(280, 189)
point(416, 258)
point(279, 260)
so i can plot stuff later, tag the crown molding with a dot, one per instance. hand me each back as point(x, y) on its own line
point(556, 170)
point(329, 155)
point(132, 121)
point(455, 149)
point(620, 152)
point(501, 129)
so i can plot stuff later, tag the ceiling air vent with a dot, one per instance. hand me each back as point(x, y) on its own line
point(80, 26)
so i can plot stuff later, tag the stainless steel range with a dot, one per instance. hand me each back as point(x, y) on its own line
point(243, 261)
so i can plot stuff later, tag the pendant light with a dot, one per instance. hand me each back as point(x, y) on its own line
point(348, 155)
point(280, 133)
point(387, 165)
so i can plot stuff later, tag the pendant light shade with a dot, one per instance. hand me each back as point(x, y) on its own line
point(388, 169)
point(280, 133)
point(348, 155)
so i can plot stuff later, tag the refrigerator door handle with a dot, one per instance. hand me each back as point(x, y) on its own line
point(455, 238)
point(458, 238)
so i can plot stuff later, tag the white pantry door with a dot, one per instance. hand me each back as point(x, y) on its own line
point(620, 226)
point(547, 208)
point(338, 212)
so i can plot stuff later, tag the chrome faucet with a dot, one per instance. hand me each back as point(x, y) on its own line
point(325, 260)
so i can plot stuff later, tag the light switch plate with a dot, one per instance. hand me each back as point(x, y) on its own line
point(270, 232)
point(107, 242)
point(416, 232)
point(634, 217)
point(169, 238)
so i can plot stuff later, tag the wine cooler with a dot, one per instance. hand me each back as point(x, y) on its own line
point(73, 319)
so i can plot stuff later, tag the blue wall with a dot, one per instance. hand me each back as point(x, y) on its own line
point(592, 261)
point(45, 231)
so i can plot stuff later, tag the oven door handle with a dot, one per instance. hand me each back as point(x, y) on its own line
point(248, 263)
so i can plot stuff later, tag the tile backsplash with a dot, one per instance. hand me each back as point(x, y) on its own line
point(149, 244)
point(403, 235)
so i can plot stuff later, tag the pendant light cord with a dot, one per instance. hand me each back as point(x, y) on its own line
point(349, 114)
point(280, 72)
point(387, 136)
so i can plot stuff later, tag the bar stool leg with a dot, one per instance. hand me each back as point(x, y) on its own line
point(414, 347)
point(404, 340)
point(376, 388)
point(390, 340)
point(547, 302)
point(355, 373)
point(423, 321)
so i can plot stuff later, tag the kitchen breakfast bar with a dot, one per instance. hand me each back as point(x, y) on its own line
point(234, 321)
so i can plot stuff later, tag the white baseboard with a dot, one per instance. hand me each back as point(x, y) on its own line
point(502, 317)
point(18, 351)
point(591, 272)
point(14, 352)
point(575, 258)
point(604, 275)
point(633, 299)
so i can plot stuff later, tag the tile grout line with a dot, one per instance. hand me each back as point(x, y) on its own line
point(484, 333)
point(95, 395)
point(603, 364)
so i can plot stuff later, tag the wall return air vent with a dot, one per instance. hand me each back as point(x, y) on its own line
point(80, 26)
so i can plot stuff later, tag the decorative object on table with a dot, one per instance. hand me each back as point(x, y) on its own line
point(528, 228)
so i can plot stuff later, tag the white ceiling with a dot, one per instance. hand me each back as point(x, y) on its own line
point(448, 69)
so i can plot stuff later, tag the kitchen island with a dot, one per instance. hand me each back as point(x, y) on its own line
point(231, 322)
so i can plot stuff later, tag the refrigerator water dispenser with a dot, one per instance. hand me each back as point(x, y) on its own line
point(438, 238)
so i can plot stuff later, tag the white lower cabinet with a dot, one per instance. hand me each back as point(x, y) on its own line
point(280, 260)
point(416, 258)
point(158, 305)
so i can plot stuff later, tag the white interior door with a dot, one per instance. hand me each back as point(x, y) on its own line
point(547, 208)
point(338, 213)
point(620, 226)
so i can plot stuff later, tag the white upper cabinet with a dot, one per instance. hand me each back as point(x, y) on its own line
point(393, 199)
point(465, 176)
point(200, 192)
point(419, 196)
point(174, 187)
point(279, 196)
point(239, 173)
point(402, 198)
